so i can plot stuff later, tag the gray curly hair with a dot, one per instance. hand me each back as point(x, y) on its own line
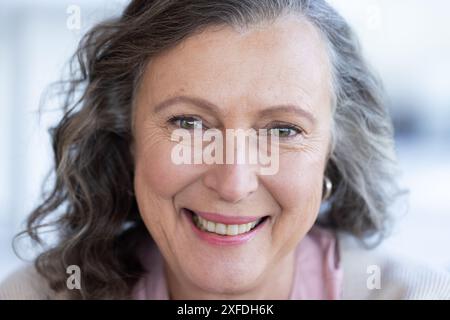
point(100, 224)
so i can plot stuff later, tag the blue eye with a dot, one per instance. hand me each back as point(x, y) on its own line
point(186, 122)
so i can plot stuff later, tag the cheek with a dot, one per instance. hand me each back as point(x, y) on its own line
point(298, 183)
point(155, 172)
point(157, 181)
point(297, 188)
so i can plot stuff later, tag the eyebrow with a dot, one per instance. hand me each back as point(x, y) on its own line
point(208, 106)
point(290, 108)
point(199, 102)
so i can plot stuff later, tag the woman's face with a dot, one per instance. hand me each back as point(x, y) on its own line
point(247, 76)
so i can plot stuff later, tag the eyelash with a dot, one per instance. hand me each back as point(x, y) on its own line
point(173, 121)
point(298, 130)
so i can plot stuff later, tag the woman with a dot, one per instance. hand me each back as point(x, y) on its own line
point(140, 225)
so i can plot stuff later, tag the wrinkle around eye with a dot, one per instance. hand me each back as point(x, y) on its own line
point(305, 143)
point(152, 133)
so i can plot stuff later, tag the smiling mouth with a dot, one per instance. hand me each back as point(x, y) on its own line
point(223, 229)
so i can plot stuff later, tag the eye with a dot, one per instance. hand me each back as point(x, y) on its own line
point(186, 122)
point(285, 131)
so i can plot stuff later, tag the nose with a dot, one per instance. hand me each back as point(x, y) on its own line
point(232, 182)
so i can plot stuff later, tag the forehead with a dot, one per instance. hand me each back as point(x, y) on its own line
point(282, 61)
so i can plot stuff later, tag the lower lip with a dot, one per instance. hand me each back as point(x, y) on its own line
point(217, 239)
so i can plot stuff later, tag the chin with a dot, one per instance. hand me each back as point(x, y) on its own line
point(227, 277)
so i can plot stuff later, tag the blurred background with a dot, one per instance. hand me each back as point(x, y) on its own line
point(406, 41)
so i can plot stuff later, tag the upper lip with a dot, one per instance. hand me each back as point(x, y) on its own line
point(226, 218)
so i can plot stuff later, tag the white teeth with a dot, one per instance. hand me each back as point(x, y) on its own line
point(211, 226)
point(232, 230)
point(221, 228)
point(224, 229)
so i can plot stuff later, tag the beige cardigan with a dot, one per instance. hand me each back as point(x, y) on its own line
point(400, 278)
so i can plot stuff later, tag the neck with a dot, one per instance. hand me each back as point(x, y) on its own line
point(276, 284)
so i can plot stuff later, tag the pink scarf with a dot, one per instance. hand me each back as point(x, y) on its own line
point(318, 274)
